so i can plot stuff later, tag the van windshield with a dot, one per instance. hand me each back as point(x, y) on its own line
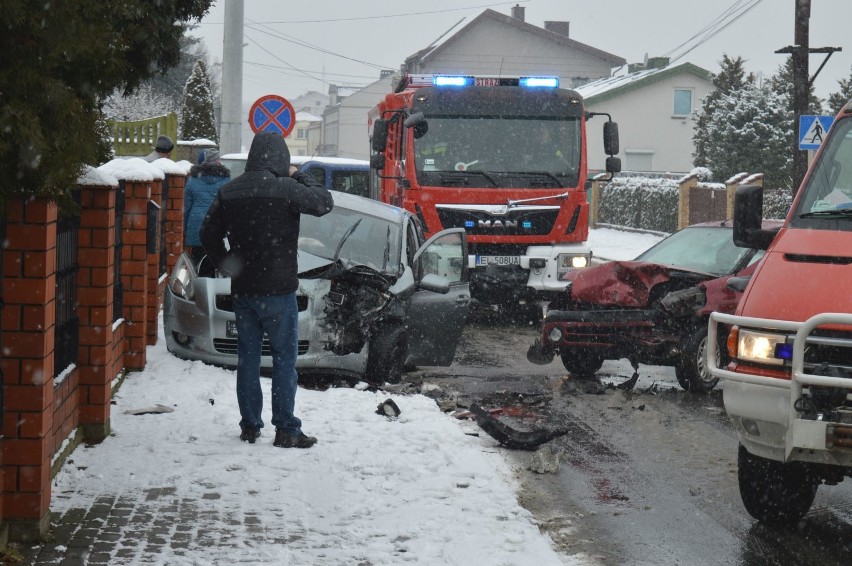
point(827, 194)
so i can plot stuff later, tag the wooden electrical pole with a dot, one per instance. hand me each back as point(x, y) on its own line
point(800, 53)
point(801, 86)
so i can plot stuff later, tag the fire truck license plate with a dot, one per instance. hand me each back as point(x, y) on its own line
point(486, 81)
point(482, 260)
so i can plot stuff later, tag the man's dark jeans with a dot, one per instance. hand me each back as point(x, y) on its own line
point(278, 317)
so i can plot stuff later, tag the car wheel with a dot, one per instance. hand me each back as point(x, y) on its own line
point(775, 492)
point(386, 356)
point(691, 368)
point(580, 363)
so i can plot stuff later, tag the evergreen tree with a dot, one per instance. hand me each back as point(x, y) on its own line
point(58, 62)
point(731, 77)
point(838, 100)
point(750, 131)
point(782, 83)
point(197, 120)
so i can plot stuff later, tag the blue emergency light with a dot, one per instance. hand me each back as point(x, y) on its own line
point(539, 82)
point(443, 80)
point(784, 351)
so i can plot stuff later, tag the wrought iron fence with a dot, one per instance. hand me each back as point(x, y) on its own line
point(118, 288)
point(67, 337)
point(164, 208)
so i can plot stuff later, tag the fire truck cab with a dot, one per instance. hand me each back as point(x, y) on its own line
point(503, 158)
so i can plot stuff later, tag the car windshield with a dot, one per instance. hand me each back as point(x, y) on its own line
point(374, 242)
point(498, 151)
point(701, 248)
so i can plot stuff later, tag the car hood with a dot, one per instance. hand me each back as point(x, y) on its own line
point(624, 283)
point(310, 262)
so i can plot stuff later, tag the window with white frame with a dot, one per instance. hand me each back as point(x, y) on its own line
point(301, 133)
point(682, 102)
point(639, 159)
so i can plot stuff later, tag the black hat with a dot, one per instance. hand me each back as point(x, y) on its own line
point(164, 144)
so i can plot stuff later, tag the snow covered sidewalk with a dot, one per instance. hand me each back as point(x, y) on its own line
point(180, 488)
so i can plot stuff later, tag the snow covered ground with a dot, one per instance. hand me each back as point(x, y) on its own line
point(415, 489)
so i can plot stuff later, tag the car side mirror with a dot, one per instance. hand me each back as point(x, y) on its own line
point(435, 283)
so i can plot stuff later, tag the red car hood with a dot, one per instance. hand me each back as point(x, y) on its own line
point(620, 283)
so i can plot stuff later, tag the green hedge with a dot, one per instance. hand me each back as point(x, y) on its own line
point(776, 203)
point(640, 202)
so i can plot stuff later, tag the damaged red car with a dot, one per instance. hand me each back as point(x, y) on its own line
point(652, 310)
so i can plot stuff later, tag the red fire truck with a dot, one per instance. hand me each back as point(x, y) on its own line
point(503, 158)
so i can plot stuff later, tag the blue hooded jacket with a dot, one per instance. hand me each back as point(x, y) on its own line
point(199, 192)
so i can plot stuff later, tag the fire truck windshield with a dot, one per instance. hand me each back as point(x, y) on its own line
point(498, 152)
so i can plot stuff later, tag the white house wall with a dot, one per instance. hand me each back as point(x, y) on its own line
point(350, 118)
point(646, 123)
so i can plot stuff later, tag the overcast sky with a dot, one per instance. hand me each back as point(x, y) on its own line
point(292, 49)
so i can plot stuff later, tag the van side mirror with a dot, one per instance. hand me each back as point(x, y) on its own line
point(748, 219)
point(610, 138)
point(380, 135)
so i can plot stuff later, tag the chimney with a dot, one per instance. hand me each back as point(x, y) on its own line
point(557, 27)
point(518, 12)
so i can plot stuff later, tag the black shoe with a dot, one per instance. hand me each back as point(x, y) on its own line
point(249, 434)
point(301, 440)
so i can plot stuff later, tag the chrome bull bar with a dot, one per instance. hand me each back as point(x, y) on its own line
point(801, 433)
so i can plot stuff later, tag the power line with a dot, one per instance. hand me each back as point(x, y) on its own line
point(736, 11)
point(302, 43)
point(406, 14)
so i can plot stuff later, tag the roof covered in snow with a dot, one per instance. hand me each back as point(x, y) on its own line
point(609, 87)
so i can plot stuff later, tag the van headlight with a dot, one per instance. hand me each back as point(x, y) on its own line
point(762, 347)
point(183, 278)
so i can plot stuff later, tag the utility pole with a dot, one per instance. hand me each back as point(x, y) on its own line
point(230, 134)
point(800, 53)
point(800, 86)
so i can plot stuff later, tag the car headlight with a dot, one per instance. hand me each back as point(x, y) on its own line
point(183, 278)
point(565, 263)
point(762, 347)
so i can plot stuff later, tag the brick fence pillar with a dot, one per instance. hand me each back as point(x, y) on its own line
point(686, 185)
point(134, 272)
point(98, 363)
point(29, 319)
point(174, 220)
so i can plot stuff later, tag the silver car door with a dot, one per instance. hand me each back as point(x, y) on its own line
point(435, 318)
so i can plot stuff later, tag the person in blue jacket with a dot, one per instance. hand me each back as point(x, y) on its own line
point(202, 186)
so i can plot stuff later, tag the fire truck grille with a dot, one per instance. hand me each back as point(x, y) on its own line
point(517, 222)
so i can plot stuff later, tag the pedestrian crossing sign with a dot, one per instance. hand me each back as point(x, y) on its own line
point(812, 130)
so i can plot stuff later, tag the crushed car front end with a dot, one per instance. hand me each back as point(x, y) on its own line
point(200, 324)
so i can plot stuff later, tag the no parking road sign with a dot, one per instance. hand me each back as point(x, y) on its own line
point(272, 113)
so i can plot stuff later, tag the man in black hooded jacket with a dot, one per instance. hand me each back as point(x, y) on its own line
point(258, 212)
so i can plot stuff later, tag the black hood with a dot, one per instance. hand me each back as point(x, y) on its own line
point(269, 153)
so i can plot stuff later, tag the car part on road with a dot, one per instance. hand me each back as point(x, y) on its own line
point(509, 437)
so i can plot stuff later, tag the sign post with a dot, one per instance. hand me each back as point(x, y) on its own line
point(272, 113)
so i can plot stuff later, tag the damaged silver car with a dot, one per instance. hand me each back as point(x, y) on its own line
point(373, 296)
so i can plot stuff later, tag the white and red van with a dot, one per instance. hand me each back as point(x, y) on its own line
point(788, 376)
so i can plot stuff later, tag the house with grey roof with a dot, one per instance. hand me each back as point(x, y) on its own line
point(655, 110)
